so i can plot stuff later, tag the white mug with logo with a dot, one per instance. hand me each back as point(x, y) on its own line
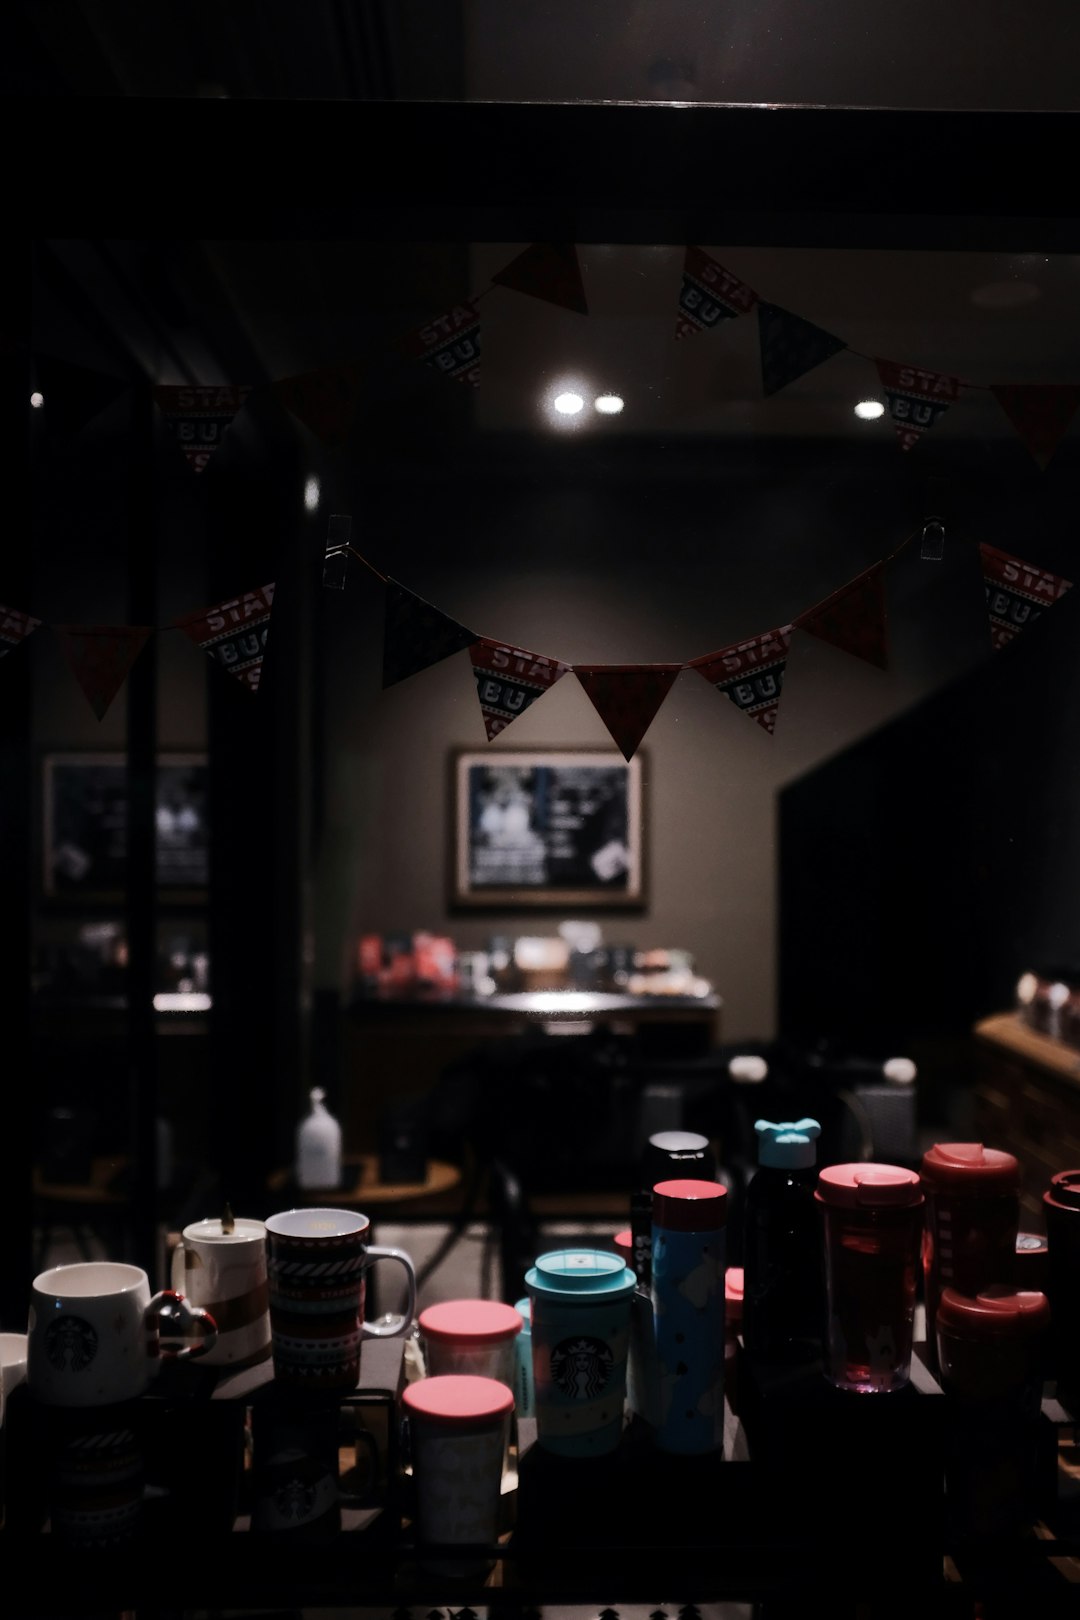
point(94, 1333)
point(223, 1269)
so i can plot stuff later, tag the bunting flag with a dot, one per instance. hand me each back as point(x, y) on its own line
point(853, 618)
point(450, 344)
point(417, 635)
point(627, 697)
point(73, 395)
point(917, 399)
point(508, 680)
point(751, 673)
point(234, 633)
point(547, 270)
point(790, 346)
point(100, 656)
point(14, 629)
point(1040, 413)
point(324, 401)
point(199, 417)
point(709, 294)
point(1016, 593)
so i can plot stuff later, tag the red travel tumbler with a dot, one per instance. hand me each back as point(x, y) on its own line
point(972, 1217)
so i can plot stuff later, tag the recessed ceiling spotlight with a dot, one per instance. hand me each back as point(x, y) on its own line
point(37, 401)
point(568, 404)
point(868, 410)
point(1005, 294)
point(608, 404)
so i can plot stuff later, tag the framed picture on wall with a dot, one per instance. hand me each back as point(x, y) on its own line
point(546, 828)
point(85, 826)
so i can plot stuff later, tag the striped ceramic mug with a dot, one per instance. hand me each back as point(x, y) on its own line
point(222, 1267)
point(317, 1260)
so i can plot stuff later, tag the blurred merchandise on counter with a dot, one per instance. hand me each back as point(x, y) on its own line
point(1048, 1000)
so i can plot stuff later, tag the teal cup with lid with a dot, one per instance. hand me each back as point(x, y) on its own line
point(580, 1302)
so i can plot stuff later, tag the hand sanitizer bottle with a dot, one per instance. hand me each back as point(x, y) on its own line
point(318, 1146)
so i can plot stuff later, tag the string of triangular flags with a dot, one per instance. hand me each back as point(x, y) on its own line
point(509, 679)
point(326, 400)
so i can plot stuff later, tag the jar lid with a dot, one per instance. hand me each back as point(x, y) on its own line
point(624, 1243)
point(787, 1146)
point(689, 1206)
point(970, 1166)
point(734, 1278)
point(1064, 1190)
point(997, 1312)
point(868, 1186)
point(470, 1321)
point(678, 1142)
point(581, 1274)
point(458, 1398)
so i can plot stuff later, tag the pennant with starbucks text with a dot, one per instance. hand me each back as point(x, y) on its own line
point(15, 627)
point(709, 294)
point(324, 401)
point(790, 346)
point(417, 635)
point(1016, 593)
point(917, 399)
point(548, 270)
point(100, 656)
point(751, 673)
point(450, 344)
point(73, 395)
point(199, 417)
point(234, 633)
point(1040, 413)
point(853, 618)
point(627, 697)
point(508, 680)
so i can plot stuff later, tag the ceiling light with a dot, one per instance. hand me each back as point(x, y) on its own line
point(868, 410)
point(37, 401)
point(608, 404)
point(568, 404)
point(312, 491)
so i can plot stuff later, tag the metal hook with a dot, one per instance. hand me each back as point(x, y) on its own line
point(336, 557)
point(933, 540)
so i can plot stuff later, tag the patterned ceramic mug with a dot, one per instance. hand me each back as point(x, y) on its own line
point(317, 1261)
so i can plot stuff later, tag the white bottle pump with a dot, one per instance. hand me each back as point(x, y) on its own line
point(318, 1146)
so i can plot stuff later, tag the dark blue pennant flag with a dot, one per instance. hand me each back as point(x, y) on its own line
point(790, 346)
point(417, 635)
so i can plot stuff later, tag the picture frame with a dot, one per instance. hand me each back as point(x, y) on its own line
point(548, 829)
point(84, 827)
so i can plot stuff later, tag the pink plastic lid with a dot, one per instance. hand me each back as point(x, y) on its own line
point(689, 1206)
point(868, 1186)
point(970, 1167)
point(470, 1321)
point(733, 1293)
point(458, 1398)
point(997, 1312)
point(624, 1243)
point(1064, 1190)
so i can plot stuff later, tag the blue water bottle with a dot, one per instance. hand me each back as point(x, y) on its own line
point(688, 1254)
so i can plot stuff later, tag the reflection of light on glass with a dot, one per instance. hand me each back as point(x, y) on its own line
point(37, 401)
point(608, 404)
point(868, 410)
point(568, 404)
point(182, 1001)
point(312, 491)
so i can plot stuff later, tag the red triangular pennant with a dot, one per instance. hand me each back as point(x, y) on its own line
point(417, 635)
point(709, 294)
point(234, 633)
point(547, 270)
point(200, 416)
point(853, 618)
point(325, 401)
point(1016, 593)
point(508, 680)
point(1040, 413)
point(917, 398)
point(14, 628)
point(100, 656)
point(627, 697)
point(751, 673)
point(449, 343)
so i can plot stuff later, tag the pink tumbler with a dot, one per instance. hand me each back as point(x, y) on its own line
point(972, 1215)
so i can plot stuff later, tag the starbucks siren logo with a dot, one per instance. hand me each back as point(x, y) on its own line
point(582, 1368)
point(70, 1341)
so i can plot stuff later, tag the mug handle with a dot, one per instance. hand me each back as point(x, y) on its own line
point(178, 1266)
point(392, 1330)
point(175, 1309)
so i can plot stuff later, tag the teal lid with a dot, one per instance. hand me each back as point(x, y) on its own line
point(581, 1274)
point(524, 1310)
point(789, 1146)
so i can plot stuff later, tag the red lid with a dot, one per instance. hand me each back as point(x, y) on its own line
point(470, 1321)
point(689, 1206)
point(733, 1293)
point(458, 1398)
point(998, 1312)
point(968, 1166)
point(624, 1242)
point(868, 1186)
point(1064, 1190)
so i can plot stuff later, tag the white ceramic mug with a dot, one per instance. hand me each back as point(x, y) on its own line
point(224, 1271)
point(93, 1335)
